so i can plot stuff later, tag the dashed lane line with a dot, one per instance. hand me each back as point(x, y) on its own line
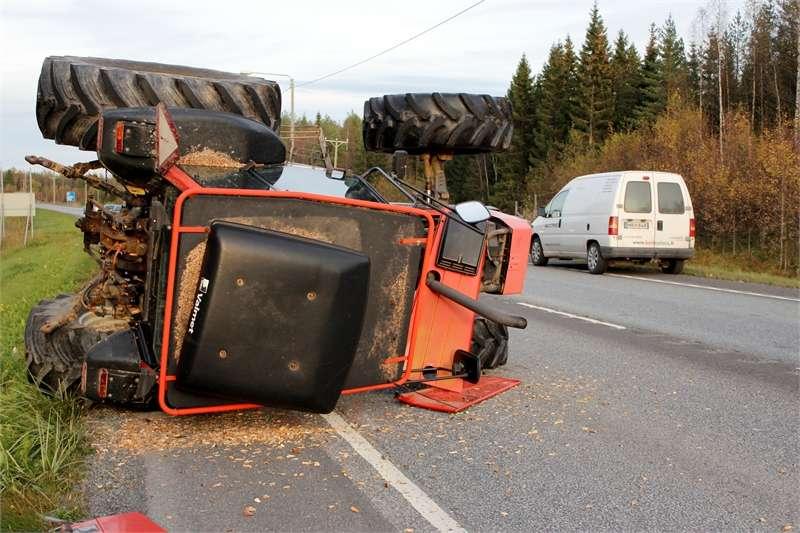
point(570, 315)
point(706, 287)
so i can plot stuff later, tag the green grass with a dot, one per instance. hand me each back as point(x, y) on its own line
point(42, 441)
point(709, 264)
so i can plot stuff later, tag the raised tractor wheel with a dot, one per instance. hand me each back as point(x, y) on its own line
point(73, 92)
point(454, 123)
point(490, 342)
point(54, 359)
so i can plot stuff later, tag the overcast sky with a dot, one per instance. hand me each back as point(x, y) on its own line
point(476, 52)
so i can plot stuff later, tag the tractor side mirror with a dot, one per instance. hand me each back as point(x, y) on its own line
point(399, 162)
point(541, 211)
point(472, 212)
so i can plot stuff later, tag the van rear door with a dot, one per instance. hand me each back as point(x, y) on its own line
point(673, 213)
point(636, 225)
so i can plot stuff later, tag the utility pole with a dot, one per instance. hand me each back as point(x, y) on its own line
point(291, 119)
point(336, 144)
point(291, 105)
point(2, 208)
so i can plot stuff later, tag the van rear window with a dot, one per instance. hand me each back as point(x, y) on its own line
point(638, 198)
point(670, 198)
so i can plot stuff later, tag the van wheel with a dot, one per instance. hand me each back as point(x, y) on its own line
point(672, 266)
point(537, 253)
point(597, 264)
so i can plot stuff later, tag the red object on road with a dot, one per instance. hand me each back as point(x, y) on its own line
point(118, 523)
point(452, 402)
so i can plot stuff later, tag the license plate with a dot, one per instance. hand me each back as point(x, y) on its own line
point(636, 224)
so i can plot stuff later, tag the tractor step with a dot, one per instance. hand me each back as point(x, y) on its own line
point(453, 402)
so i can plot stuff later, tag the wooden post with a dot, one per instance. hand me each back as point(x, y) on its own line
point(2, 208)
point(33, 198)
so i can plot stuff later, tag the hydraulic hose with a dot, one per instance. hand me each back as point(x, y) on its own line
point(474, 305)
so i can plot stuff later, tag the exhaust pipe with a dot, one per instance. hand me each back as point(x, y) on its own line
point(474, 305)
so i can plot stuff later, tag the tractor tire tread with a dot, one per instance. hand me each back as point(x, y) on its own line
point(74, 91)
point(490, 343)
point(456, 123)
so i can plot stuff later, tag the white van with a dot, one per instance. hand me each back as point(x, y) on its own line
point(634, 215)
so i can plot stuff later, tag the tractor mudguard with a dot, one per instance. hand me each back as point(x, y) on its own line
point(276, 319)
point(126, 141)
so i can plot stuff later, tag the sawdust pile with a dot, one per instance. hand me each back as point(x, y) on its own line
point(186, 290)
point(208, 158)
point(152, 432)
point(390, 324)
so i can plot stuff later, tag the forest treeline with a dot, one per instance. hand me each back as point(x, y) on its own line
point(721, 110)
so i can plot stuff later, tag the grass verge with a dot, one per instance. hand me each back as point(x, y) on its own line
point(710, 264)
point(42, 441)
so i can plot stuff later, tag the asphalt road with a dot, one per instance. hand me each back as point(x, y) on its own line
point(643, 406)
point(66, 209)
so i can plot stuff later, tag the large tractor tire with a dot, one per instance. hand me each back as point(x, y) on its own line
point(73, 91)
point(490, 342)
point(437, 123)
point(54, 359)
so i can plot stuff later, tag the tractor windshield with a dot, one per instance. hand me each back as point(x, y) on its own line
point(291, 177)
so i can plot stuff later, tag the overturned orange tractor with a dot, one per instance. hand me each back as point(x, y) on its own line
point(231, 278)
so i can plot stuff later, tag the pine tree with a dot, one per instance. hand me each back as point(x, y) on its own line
point(652, 97)
point(693, 75)
point(516, 163)
point(738, 35)
point(572, 89)
point(558, 94)
point(596, 105)
point(551, 84)
point(757, 72)
point(713, 85)
point(466, 177)
point(787, 48)
point(626, 79)
point(673, 59)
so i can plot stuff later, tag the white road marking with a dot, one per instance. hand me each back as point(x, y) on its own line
point(570, 315)
point(734, 291)
point(420, 501)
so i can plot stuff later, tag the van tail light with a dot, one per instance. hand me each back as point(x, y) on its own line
point(691, 228)
point(613, 226)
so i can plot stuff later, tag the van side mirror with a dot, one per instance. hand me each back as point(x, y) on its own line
point(472, 212)
point(399, 162)
point(541, 212)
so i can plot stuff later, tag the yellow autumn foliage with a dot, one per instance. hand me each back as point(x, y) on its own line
point(746, 198)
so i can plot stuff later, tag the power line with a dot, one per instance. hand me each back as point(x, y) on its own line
point(398, 45)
